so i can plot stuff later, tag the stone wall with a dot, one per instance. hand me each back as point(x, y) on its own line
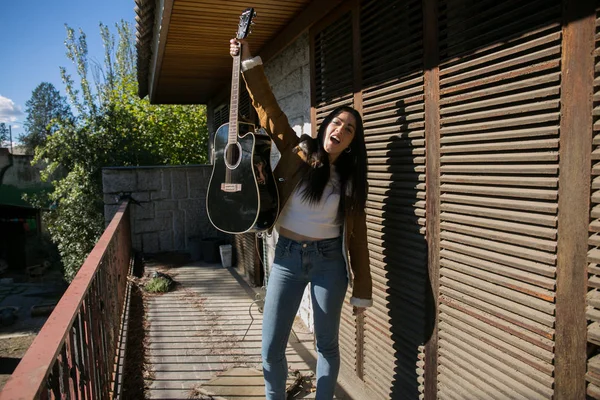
point(289, 76)
point(172, 212)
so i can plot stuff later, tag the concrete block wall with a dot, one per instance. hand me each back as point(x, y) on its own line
point(172, 214)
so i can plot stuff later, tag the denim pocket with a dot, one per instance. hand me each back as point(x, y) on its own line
point(281, 251)
point(331, 252)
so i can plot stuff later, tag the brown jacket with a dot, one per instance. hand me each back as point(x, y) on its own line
point(289, 171)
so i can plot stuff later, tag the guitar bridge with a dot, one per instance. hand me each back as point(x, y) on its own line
point(231, 187)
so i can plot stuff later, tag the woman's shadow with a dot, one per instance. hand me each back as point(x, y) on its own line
point(400, 261)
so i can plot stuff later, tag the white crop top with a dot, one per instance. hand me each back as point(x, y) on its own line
point(314, 220)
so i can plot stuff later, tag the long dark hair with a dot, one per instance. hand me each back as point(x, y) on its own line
point(351, 167)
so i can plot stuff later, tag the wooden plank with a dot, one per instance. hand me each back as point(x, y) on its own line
point(501, 123)
point(486, 201)
point(485, 288)
point(526, 46)
point(503, 237)
point(574, 197)
point(515, 262)
point(501, 180)
point(476, 95)
point(501, 248)
point(358, 96)
point(543, 339)
point(526, 59)
point(498, 101)
point(524, 169)
point(453, 295)
point(508, 344)
point(502, 112)
point(450, 258)
point(432, 134)
point(499, 78)
point(540, 194)
point(496, 364)
point(496, 219)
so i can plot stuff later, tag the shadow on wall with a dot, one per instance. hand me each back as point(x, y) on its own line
point(410, 301)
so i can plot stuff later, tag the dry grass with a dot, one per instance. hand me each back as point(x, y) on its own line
point(136, 371)
point(11, 351)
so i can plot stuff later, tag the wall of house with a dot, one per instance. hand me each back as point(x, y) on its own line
point(172, 212)
point(289, 75)
point(21, 173)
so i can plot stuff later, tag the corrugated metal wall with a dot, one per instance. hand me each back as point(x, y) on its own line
point(384, 349)
point(499, 109)
point(391, 38)
point(332, 53)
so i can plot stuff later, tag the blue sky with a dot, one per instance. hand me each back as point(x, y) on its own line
point(32, 35)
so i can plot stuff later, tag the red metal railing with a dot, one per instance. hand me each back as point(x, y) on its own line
point(73, 356)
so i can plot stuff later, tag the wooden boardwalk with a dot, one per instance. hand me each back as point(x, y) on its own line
point(195, 335)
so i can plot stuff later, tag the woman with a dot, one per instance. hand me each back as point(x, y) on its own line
point(323, 189)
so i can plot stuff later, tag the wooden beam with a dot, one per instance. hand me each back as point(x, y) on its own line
point(574, 198)
point(157, 59)
point(309, 16)
point(432, 143)
point(356, 57)
point(358, 105)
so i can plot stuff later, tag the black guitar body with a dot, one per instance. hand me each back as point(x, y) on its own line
point(242, 197)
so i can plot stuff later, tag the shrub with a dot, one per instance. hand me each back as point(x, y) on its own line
point(158, 285)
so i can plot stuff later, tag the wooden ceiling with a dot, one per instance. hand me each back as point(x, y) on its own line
point(192, 61)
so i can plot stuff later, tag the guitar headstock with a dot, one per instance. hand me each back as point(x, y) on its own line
point(245, 25)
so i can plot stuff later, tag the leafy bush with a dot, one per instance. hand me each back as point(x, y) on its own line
point(158, 285)
point(112, 127)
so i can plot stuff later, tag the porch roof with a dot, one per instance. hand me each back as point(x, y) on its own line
point(182, 44)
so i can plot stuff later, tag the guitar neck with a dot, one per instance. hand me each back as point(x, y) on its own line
point(235, 99)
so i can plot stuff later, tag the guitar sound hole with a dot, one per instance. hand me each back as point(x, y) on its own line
point(233, 155)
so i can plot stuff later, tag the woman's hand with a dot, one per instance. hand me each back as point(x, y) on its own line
point(234, 48)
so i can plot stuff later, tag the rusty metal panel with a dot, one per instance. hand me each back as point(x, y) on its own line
point(332, 79)
point(499, 121)
point(394, 121)
point(348, 335)
point(593, 297)
point(333, 76)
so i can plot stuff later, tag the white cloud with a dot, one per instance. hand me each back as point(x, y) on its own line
point(9, 111)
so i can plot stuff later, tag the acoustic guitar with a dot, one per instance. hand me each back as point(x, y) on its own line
point(242, 194)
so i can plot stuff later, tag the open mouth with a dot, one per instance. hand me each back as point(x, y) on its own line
point(335, 139)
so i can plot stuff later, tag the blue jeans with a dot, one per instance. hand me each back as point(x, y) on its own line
point(296, 264)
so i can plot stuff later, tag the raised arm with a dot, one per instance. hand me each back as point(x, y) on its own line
point(271, 117)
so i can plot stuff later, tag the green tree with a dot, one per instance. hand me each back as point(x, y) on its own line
point(4, 133)
point(112, 127)
point(45, 105)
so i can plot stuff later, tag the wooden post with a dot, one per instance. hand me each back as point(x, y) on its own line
point(358, 105)
point(574, 197)
point(432, 142)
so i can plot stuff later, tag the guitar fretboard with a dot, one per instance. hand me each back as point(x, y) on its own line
point(235, 100)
